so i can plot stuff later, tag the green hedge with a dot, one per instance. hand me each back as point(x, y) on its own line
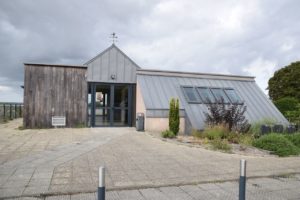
point(294, 138)
point(278, 144)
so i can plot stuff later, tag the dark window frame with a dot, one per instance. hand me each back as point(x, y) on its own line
point(198, 101)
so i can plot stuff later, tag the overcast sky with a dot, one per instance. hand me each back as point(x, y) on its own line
point(253, 37)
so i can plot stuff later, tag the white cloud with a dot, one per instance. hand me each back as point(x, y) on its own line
point(263, 70)
point(5, 88)
point(211, 36)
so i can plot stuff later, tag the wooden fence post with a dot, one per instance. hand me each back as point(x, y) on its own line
point(15, 111)
point(4, 111)
point(10, 112)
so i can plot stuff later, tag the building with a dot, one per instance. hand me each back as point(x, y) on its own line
point(110, 89)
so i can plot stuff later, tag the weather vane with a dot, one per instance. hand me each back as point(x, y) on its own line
point(114, 37)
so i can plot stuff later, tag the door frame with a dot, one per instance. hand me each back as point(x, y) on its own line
point(93, 85)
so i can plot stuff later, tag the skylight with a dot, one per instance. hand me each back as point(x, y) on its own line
point(219, 95)
point(205, 95)
point(190, 94)
point(234, 98)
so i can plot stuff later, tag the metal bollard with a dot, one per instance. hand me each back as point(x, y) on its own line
point(101, 188)
point(242, 188)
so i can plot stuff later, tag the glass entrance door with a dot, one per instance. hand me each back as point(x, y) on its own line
point(102, 105)
point(112, 105)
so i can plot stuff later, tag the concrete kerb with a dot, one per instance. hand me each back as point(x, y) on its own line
point(121, 188)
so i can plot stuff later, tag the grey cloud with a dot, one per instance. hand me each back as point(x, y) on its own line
point(206, 36)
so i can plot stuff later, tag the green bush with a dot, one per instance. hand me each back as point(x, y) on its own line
point(286, 104)
point(276, 143)
point(290, 108)
point(294, 138)
point(198, 134)
point(221, 144)
point(167, 134)
point(174, 119)
point(214, 132)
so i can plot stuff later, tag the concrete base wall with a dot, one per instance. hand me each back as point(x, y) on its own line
point(161, 124)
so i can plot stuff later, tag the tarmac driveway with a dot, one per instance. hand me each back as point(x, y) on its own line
point(64, 161)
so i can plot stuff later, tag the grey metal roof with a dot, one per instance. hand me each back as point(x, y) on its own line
point(54, 65)
point(194, 74)
point(108, 49)
point(113, 66)
point(157, 90)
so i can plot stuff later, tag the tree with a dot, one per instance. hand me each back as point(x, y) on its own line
point(174, 120)
point(285, 82)
point(286, 104)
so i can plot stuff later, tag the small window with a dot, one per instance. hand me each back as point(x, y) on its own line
point(206, 95)
point(234, 98)
point(219, 95)
point(190, 94)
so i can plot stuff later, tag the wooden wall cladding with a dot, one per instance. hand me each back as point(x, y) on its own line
point(54, 91)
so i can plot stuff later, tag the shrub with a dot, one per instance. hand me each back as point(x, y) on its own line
point(230, 115)
point(290, 108)
point(277, 144)
point(167, 134)
point(246, 140)
point(221, 144)
point(217, 131)
point(233, 137)
point(286, 104)
point(198, 134)
point(294, 138)
point(174, 120)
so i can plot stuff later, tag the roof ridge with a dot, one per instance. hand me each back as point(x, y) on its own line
point(192, 74)
point(107, 49)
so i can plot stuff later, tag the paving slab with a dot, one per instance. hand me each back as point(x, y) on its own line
point(67, 161)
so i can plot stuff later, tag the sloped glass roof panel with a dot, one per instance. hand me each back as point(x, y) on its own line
point(206, 95)
point(232, 95)
point(219, 95)
point(190, 94)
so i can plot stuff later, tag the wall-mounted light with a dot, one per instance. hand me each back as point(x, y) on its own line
point(113, 76)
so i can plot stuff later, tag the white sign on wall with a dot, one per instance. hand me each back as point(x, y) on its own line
point(58, 121)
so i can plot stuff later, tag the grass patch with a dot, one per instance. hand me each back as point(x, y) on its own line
point(198, 134)
point(21, 128)
point(278, 144)
point(80, 125)
point(246, 140)
point(215, 132)
point(167, 134)
point(221, 144)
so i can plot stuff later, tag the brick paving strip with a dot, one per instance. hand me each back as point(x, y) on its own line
point(279, 188)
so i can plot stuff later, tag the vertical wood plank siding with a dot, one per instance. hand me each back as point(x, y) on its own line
point(54, 91)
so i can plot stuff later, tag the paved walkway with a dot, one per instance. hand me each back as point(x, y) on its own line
point(133, 160)
point(262, 188)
